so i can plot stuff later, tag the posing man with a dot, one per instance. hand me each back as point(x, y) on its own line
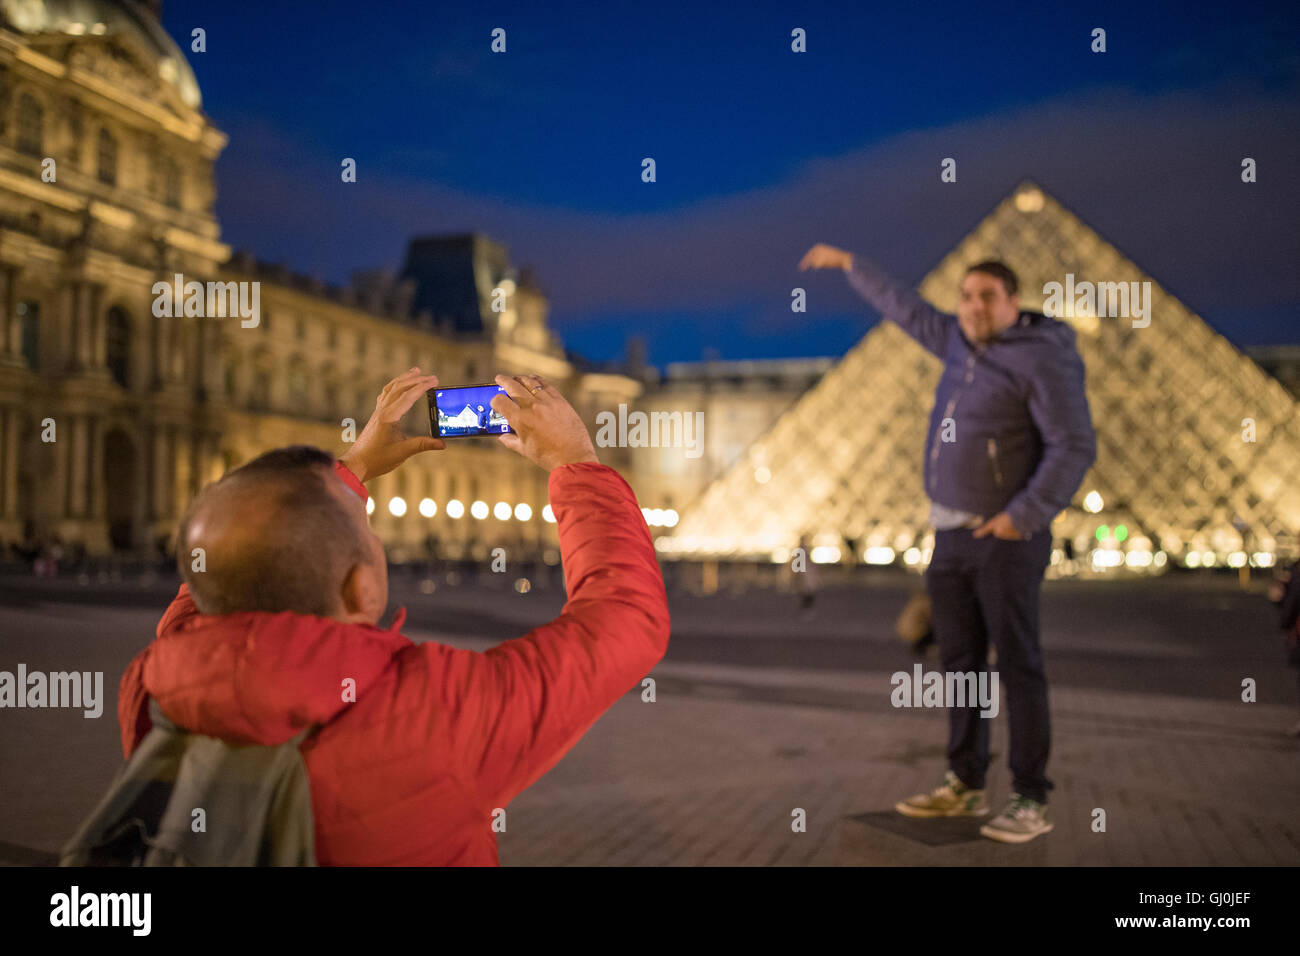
point(1010, 439)
point(415, 762)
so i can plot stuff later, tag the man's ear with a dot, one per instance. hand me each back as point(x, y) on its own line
point(360, 595)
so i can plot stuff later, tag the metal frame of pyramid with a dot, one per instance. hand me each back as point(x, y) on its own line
point(1175, 479)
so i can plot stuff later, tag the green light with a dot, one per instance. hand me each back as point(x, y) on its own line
point(1121, 532)
point(1103, 532)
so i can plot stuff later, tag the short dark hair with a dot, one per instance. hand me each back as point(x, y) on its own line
point(301, 554)
point(999, 270)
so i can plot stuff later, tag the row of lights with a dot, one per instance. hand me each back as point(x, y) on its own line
point(456, 509)
point(660, 517)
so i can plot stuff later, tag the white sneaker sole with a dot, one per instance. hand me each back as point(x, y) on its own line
point(1008, 836)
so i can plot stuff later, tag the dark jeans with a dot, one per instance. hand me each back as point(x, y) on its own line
point(981, 590)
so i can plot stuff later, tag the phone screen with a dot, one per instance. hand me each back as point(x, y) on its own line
point(465, 410)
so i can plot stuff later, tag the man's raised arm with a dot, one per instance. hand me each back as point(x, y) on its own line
point(893, 300)
point(521, 705)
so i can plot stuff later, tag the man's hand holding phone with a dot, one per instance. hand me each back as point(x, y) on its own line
point(546, 428)
point(382, 445)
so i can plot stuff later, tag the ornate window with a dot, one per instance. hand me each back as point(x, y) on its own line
point(171, 174)
point(31, 126)
point(118, 349)
point(106, 153)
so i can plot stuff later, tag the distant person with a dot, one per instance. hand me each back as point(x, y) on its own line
point(1284, 591)
point(805, 581)
point(414, 771)
point(1011, 400)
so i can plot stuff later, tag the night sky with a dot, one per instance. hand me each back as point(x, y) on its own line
point(761, 152)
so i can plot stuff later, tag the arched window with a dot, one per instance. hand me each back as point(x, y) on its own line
point(118, 347)
point(106, 153)
point(31, 126)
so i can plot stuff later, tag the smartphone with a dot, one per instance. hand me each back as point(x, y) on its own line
point(465, 410)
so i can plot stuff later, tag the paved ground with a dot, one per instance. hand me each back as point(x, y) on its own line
point(760, 713)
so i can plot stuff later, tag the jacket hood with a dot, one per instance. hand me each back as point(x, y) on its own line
point(260, 678)
point(1037, 327)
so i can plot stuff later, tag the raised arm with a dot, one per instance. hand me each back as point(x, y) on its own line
point(893, 300)
point(516, 709)
point(524, 703)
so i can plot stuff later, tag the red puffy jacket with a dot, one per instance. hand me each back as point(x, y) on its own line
point(437, 738)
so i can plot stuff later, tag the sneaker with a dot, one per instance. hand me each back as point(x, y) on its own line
point(952, 798)
point(1020, 822)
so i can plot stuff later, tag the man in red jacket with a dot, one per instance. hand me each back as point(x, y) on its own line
point(420, 745)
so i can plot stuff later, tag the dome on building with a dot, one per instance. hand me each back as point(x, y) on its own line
point(107, 18)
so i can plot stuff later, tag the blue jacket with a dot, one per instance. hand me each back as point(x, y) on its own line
point(1023, 436)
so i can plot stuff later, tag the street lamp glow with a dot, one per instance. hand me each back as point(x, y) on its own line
point(501, 511)
point(479, 509)
point(428, 507)
point(523, 512)
point(548, 515)
point(670, 518)
point(397, 507)
point(370, 506)
point(1092, 502)
point(455, 509)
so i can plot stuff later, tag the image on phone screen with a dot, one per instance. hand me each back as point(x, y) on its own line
point(465, 410)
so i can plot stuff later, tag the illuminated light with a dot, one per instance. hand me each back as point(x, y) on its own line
point(1237, 559)
point(1208, 559)
point(657, 517)
point(1092, 502)
point(397, 507)
point(1121, 532)
point(548, 515)
point(903, 541)
point(1262, 559)
point(1193, 559)
point(501, 511)
point(779, 555)
point(1103, 532)
point(911, 556)
point(428, 507)
point(645, 513)
point(523, 512)
point(879, 555)
point(825, 554)
point(762, 474)
point(661, 544)
point(1102, 558)
point(1160, 559)
point(670, 518)
point(455, 509)
point(523, 585)
point(1138, 559)
point(926, 553)
point(370, 506)
point(1029, 200)
point(479, 509)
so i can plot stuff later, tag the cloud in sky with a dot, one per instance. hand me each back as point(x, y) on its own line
point(1157, 175)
